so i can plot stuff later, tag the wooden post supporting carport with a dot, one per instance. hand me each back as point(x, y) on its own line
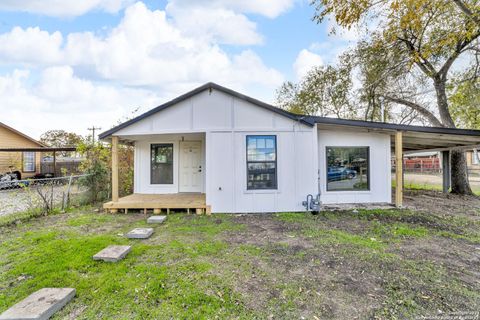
point(54, 163)
point(399, 168)
point(446, 171)
point(114, 168)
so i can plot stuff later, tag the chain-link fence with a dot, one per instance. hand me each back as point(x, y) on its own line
point(41, 194)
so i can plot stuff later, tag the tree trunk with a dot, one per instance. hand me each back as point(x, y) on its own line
point(460, 184)
point(459, 171)
point(442, 102)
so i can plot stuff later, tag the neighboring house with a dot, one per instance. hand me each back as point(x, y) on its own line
point(243, 155)
point(423, 155)
point(432, 161)
point(473, 159)
point(27, 163)
point(423, 162)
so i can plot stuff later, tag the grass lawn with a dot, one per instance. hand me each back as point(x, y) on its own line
point(412, 185)
point(367, 264)
point(423, 186)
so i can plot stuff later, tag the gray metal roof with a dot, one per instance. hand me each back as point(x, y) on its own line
point(392, 126)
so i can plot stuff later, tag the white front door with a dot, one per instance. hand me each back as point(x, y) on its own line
point(191, 168)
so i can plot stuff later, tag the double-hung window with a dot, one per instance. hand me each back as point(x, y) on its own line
point(261, 162)
point(28, 162)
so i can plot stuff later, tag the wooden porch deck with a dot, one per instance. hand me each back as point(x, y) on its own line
point(157, 202)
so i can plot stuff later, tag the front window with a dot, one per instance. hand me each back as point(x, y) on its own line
point(29, 162)
point(347, 168)
point(261, 162)
point(161, 164)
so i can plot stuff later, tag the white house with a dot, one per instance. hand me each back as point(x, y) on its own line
point(239, 154)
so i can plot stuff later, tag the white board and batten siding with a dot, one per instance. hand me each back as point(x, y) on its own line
point(222, 123)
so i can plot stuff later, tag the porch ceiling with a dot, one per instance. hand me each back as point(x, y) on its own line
point(130, 139)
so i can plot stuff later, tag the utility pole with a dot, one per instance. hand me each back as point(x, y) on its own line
point(93, 128)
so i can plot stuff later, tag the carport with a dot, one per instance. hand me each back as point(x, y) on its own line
point(52, 150)
point(410, 139)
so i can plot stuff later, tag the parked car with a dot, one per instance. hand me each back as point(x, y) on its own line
point(340, 173)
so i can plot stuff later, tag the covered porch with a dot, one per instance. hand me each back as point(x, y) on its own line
point(169, 174)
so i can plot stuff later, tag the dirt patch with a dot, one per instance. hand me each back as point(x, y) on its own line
point(458, 257)
point(262, 229)
point(443, 203)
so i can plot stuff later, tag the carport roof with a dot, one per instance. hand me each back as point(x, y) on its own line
point(39, 149)
point(416, 138)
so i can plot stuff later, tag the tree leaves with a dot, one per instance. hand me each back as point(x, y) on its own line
point(323, 91)
point(465, 103)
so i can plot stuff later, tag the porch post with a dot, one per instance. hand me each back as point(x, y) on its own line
point(114, 168)
point(446, 171)
point(399, 168)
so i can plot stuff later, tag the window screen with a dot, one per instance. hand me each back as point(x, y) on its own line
point(161, 164)
point(261, 162)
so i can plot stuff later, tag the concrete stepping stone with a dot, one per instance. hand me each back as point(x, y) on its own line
point(40, 305)
point(140, 233)
point(112, 253)
point(156, 219)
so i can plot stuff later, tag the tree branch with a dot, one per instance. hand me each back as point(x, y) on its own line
point(421, 110)
point(424, 64)
point(467, 11)
point(458, 50)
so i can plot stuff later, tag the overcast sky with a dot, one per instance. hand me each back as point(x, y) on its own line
point(69, 64)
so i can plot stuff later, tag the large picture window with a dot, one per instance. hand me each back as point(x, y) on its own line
point(161, 164)
point(261, 162)
point(28, 162)
point(347, 168)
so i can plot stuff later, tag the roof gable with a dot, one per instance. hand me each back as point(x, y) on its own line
point(209, 86)
point(22, 135)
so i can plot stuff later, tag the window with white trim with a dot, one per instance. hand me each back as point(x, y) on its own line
point(161, 163)
point(261, 162)
point(347, 168)
point(28, 162)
